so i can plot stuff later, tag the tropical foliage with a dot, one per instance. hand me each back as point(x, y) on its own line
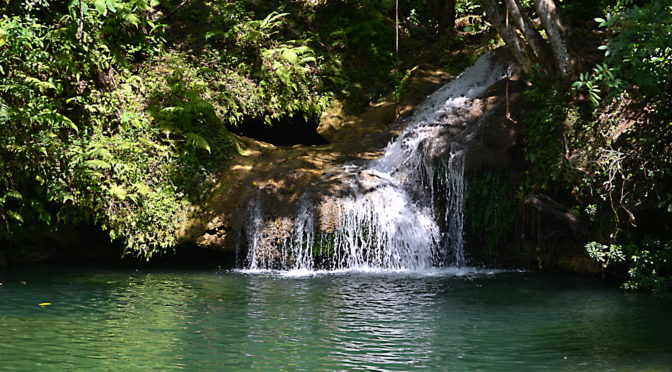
point(78, 143)
point(610, 137)
point(114, 113)
point(103, 123)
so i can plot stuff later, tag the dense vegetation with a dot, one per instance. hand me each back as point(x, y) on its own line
point(114, 113)
point(603, 144)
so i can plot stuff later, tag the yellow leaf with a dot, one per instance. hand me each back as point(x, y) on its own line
point(3, 37)
point(142, 188)
point(118, 192)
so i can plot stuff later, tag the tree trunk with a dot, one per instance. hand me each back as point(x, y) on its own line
point(449, 11)
point(547, 206)
point(396, 27)
point(516, 44)
point(550, 19)
point(534, 38)
point(445, 14)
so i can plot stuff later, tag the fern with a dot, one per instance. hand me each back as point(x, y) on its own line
point(197, 141)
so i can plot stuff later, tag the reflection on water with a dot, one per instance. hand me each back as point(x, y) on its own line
point(442, 320)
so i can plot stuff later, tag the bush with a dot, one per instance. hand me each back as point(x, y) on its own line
point(621, 152)
point(79, 144)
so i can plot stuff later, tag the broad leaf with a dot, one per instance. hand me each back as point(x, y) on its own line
point(100, 5)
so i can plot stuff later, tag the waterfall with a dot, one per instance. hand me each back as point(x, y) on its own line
point(404, 210)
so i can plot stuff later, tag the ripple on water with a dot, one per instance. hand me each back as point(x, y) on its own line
point(444, 319)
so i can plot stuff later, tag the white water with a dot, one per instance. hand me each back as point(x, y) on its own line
point(443, 272)
point(404, 211)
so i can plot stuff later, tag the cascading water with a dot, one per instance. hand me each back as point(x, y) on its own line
point(404, 210)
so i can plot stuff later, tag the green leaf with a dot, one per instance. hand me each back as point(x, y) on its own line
point(39, 84)
point(118, 192)
point(3, 37)
point(62, 196)
point(100, 5)
point(13, 194)
point(66, 120)
point(308, 59)
point(197, 141)
point(111, 6)
point(290, 56)
point(42, 213)
point(210, 34)
point(97, 164)
point(132, 19)
point(73, 5)
point(142, 188)
point(272, 20)
point(99, 152)
point(14, 216)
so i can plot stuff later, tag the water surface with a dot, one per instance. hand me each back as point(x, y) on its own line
point(130, 320)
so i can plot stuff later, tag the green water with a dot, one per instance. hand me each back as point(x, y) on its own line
point(135, 320)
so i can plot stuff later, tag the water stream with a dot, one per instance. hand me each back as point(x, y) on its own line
point(403, 211)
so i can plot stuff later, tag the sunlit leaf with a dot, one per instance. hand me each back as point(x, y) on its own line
point(111, 6)
point(100, 5)
point(66, 120)
point(14, 194)
point(3, 37)
point(142, 188)
point(97, 164)
point(197, 141)
point(14, 215)
point(118, 192)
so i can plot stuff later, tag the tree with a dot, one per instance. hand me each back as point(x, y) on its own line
point(445, 14)
point(525, 42)
point(557, 35)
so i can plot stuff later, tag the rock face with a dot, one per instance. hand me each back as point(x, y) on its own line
point(500, 131)
point(279, 177)
point(337, 125)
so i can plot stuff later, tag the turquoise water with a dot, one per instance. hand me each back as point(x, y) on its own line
point(447, 320)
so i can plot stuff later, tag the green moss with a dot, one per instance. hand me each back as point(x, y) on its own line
point(490, 210)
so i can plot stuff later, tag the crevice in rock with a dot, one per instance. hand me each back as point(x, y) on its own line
point(285, 131)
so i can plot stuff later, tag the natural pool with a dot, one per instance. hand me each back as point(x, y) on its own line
point(133, 320)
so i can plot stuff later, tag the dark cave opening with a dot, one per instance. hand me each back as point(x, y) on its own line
point(285, 131)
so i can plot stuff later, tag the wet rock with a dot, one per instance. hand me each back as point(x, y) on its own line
point(277, 177)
